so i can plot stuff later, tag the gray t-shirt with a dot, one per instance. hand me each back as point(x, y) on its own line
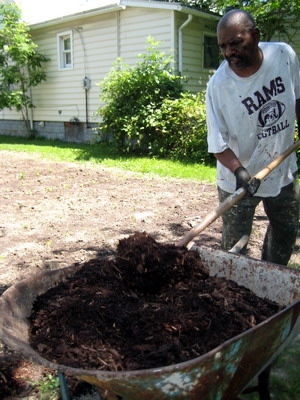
point(255, 117)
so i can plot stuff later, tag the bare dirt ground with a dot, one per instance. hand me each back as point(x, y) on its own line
point(55, 214)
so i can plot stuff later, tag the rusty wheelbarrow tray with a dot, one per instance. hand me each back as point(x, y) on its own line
point(220, 374)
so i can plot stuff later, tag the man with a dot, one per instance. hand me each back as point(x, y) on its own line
point(252, 101)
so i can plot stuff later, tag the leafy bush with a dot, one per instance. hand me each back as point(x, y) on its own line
point(180, 128)
point(145, 110)
point(130, 94)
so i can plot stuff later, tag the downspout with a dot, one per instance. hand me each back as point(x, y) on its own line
point(31, 110)
point(118, 35)
point(86, 82)
point(86, 108)
point(190, 17)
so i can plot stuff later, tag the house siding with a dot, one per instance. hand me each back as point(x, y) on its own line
point(62, 96)
point(192, 54)
point(136, 25)
point(296, 43)
point(295, 39)
point(97, 43)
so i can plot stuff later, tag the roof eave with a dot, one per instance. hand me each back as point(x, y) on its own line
point(170, 6)
point(81, 14)
point(121, 5)
point(199, 13)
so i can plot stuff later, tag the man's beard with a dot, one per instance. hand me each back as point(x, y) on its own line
point(242, 62)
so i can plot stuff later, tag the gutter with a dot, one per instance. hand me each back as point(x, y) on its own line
point(31, 110)
point(180, 56)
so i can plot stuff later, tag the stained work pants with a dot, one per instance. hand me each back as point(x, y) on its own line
point(283, 214)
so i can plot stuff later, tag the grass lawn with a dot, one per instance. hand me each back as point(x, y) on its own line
point(106, 155)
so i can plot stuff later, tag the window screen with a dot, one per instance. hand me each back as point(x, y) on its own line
point(211, 59)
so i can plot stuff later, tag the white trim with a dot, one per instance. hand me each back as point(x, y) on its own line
point(162, 5)
point(62, 65)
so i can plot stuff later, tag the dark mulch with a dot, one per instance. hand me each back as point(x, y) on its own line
point(151, 305)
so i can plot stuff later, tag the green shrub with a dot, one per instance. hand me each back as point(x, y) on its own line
point(145, 110)
point(48, 386)
point(180, 128)
point(130, 94)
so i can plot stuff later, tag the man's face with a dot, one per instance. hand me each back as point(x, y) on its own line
point(238, 46)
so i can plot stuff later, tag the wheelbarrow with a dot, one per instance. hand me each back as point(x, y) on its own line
point(220, 374)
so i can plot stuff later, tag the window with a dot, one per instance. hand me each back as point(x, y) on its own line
point(65, 50)
point(211, 53)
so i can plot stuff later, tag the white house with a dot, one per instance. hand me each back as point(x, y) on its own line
point(84, 46)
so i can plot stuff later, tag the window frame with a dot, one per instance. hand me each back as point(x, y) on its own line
point(210, 35)
point(62, 52)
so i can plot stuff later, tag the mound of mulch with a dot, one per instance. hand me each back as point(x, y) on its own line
point(149, 306)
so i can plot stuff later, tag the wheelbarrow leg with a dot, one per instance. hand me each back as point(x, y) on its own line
point(63, 386)
point(262, 387)
point(263, 384)
point(264, 377)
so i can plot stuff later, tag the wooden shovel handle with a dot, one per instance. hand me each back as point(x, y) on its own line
point(234, 198)
point(273, 164)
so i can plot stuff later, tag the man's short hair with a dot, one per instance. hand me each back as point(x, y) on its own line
point(237, 16)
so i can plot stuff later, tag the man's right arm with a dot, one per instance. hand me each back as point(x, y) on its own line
point(230, 160)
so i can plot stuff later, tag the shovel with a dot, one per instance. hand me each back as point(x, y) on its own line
point(234, 198)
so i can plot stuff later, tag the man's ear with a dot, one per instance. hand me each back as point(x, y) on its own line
point(256, 34)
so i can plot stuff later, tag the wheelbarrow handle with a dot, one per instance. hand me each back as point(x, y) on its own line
point(234, 198)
